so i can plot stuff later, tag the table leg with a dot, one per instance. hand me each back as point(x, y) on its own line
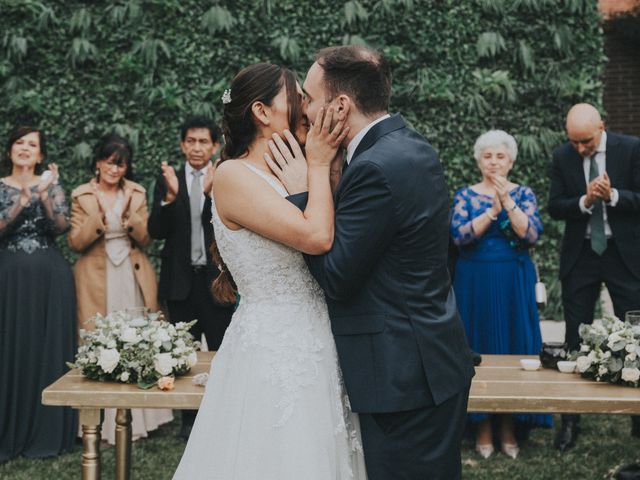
point(123, 444)
point(90, 419)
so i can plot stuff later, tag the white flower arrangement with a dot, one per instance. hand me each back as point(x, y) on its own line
point(132, 346)
point(610, 352)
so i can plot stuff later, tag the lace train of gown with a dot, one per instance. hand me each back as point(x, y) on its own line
point(274, 407)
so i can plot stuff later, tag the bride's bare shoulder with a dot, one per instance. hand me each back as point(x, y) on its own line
point(234, 177)
point(229, 171)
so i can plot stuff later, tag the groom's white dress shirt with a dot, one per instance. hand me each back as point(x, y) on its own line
point(353, 144)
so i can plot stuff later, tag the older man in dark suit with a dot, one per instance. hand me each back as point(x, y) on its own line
point(181, 216)
point(595, 189)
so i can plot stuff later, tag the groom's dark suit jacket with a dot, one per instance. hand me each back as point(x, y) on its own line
point(393, 313)
point(568, 185)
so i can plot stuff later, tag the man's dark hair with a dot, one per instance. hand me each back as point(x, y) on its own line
point(359, 72)
point(200, 122)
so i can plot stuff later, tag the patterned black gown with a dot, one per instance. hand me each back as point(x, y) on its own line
point(37, 324)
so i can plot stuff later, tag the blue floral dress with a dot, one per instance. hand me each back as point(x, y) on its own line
point(495, 281)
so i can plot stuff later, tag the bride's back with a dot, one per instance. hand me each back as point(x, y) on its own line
point(262, 268)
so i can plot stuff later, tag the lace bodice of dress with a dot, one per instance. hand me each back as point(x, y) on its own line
point(34, 226)
point(264, 269)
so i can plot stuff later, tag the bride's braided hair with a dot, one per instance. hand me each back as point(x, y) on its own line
point(260, 82)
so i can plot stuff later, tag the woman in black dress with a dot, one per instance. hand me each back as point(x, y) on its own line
point(37, 301)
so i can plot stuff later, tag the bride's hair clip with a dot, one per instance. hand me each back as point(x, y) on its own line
point(226, 96)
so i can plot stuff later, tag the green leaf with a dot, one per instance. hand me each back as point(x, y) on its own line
point(217, 19)
point(489, 44)
point(81, 152)
point(525, 55)
point(288, 48)
point(496, 84)
point(82, 51)
point(149, 50)
point(492, 6)
point(80, 21)
point(146, 385)
point(354, 12)
point(353, 40)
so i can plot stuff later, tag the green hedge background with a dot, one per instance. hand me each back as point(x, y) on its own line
point(461, 67)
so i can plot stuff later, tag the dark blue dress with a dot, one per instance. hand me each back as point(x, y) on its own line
point(495, 281)
point(37, 324)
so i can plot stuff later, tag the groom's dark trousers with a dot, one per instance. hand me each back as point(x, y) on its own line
point(402, 348)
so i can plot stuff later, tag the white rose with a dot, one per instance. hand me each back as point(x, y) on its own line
point(631, 357)
point(630, 347)
point(125, 376)
point(108, 359)
point(602, 371)
point(163, 335)
point(129, 335)
point(164, 363)
point(192, 359)
point(583, 364)
point(630, 374)
point(585, 348)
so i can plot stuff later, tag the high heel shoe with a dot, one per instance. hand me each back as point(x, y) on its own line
point(511, 450)
point(485, 450)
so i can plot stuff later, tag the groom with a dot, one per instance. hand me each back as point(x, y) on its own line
point(402, 348)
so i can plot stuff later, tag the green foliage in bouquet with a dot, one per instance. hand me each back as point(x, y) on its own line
point(460, 67)
point(135, 348)
point(610, 352)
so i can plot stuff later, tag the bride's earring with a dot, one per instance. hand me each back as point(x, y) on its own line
point(97, 175)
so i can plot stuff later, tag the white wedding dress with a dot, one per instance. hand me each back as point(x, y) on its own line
point(275, 407)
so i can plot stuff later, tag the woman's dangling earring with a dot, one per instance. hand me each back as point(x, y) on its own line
point(97, 175)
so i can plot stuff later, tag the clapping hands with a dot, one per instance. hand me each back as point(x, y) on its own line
point(599, 188)
point(501, 185)
point(171, 181)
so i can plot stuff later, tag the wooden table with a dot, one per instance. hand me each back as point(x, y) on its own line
point(500, 386)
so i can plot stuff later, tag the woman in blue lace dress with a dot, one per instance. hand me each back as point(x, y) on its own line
point(37, 301)
point(494, 224)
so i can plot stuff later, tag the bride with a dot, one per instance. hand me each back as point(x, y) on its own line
point(274, 407)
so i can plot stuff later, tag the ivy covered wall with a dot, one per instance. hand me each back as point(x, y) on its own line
point(460, 67)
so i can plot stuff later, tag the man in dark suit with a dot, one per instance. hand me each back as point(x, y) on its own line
point(401, 345)
point(595, 189)
point(181, 216)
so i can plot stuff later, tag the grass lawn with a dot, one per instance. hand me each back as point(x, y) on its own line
point(604, 445)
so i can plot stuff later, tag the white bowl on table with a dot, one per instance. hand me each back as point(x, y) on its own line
point(530, 364)
point(566, 366)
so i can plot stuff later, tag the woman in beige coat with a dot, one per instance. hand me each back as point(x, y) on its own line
point(109, 230)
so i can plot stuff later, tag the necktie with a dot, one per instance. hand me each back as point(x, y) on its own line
point(598, 238)
point(196, 221)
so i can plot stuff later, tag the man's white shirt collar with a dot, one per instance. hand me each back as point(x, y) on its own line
point(188, 169)
point(353, 144)
point(602, 146)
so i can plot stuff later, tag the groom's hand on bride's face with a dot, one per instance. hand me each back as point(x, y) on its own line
point(288, 163)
